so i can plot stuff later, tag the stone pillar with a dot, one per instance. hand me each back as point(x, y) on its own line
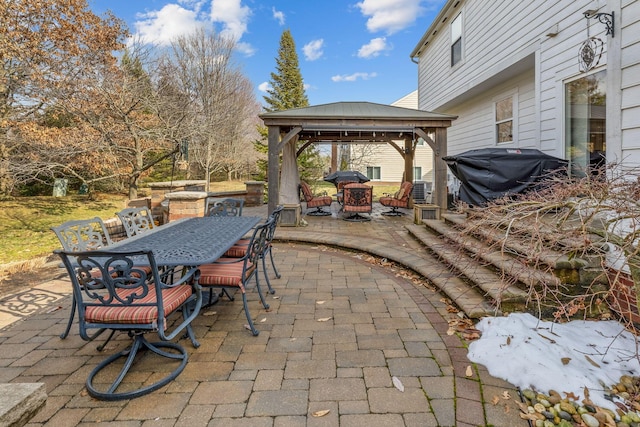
point(255, 193)
point(185, 204)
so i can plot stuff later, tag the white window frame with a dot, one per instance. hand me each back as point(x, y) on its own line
point(373, 169)
point(456, 29)
point(514, 117)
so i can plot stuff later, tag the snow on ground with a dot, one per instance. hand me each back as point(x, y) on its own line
point(566, 357)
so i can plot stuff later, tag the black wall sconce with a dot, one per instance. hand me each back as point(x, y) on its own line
point(604, 18)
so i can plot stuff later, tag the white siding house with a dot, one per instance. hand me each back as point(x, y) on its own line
point(381, 162)
point(538, 74)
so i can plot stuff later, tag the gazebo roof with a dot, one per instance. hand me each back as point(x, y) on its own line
point(329, 122)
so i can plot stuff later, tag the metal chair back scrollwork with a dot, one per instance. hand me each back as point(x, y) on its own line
point(225, 207)
point(136, 220)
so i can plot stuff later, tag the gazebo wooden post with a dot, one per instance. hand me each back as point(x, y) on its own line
point(273, 174)
point(408, 161)
point(440, 169)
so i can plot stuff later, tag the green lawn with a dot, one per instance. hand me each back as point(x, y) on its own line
point(25, 222)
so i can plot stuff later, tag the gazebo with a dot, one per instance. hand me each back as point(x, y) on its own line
point(353, 122)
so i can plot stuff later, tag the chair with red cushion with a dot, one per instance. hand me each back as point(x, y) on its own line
point(399, 200)
point(236, 273)
point(317, 202)
point(239, 249)
point(78, 236)
point(112, 291)
point(357, 199)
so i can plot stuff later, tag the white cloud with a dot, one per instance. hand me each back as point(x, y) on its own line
point(278, 16)
point(390, 16)
point(313, 50)
point(245, 48)
point(264, 87)
point(161, 26)
point(373, 48)
point(233, 16)
point(353, 77)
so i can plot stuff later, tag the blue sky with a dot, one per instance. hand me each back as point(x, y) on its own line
point(349, 50)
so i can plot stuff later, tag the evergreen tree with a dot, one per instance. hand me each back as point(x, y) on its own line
point(287, 92)
point(287, 87)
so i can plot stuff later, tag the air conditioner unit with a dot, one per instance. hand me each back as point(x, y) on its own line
point(421, 192)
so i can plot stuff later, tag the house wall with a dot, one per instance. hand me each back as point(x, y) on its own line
point(630, 82)
point(534, 55)
point(388, 159)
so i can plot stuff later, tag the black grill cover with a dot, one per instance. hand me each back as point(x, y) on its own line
point(491, 173)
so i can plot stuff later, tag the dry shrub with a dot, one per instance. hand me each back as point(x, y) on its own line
point(577, 218)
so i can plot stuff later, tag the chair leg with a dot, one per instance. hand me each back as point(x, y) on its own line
point(266, 274)
point(259, 289)
point(393, 212)
point(273, 264)
point(71, 316)
point(139, 343)
point(253, 329)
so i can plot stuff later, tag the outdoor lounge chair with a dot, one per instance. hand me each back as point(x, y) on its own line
point(357, 199)
point(112, 292)
point(317, 202)
point(398, 200)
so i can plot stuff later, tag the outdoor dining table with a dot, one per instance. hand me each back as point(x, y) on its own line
point(190, 241)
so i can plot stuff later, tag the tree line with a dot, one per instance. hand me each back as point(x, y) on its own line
point(80, 100)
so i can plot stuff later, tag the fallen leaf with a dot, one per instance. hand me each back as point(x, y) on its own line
point(495, 400)
point(508, 340)
point(451, 331)
point(565, 360)
point(321, 413)
point(263, 320)
point(469, 371)
point(320, 302)
point(591, 361)
point(324, 319)
point(397, 383)
point(506, 395)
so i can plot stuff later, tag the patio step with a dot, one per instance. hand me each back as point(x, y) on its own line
point(468, 299)
point(445, 245)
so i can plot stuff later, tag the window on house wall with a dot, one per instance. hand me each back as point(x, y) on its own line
point(373, 172)
point(585, 123)
point(504, 120)
point(456, 40)
point(417, 173)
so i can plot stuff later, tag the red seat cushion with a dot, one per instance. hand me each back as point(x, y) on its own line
point(224, 272)
point(172, 299)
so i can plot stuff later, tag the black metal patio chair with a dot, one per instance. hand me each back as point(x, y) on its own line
point(112, 292)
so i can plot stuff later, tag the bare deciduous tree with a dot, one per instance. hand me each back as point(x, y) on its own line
point(222, 104)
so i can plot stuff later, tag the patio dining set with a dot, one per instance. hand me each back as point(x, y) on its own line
point(153, 281)
point(355, 197)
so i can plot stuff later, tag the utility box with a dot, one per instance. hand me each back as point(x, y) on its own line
point(290, 215)
point(424, 212)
